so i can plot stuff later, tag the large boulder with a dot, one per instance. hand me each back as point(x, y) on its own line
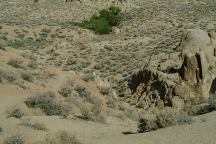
point(198, 51)
point(192, 77)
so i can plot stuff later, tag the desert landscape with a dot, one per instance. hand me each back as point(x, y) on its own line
point(107, 71)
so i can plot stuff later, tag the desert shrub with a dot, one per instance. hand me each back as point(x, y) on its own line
point(98, 114)
point(212, 101)
point(15, 63)
point(88, 77)
point(2, 75)
point(27, 76)
point(33, 64)
point(102, 24)
point(61, 137)
point(104, 90)
point(163, 119)
point(1, 129)
point(171, 118)
point(14, 139)
point(111, 15)
point(15, 112)
point(9, 76)
point(35, 125)
point(2, 47)
point(65, 90)
point(147, 125)
point(71, 61)
point(95, 100)
point(1, 79)
point(92, 112)
point(195, 110)
point(18, 44)
point(86, 111)
point(98, 66)
point(104, 87)
point(83, 92)
point(48, 103)
point(98, 109)
point(112, 102)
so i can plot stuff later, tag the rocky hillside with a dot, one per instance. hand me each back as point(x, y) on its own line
point(156, 69)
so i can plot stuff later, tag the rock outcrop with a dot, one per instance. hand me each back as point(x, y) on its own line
point(191, 78)
point(198, 51)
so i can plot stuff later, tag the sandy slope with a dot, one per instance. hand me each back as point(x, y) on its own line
point(201, 132)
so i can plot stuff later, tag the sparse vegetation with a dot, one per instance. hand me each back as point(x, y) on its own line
point(7, 75)
point(88, 77)
point(213, 101)
point(94, 110)
point(15, 112)
point(103, 23)
point(163, 119)
point(17, 44)
point(33, 64)
point(61, 137)
point(14, 139)
point(83, 92)
point(15, 63)
point(27, 76)
point(86, 111)
point(35, 125)
point(71, 61)
point(23, 43)
point(48, 103)
point(65, 90)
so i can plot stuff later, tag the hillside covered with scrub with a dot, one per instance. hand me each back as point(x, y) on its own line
point(107, 71)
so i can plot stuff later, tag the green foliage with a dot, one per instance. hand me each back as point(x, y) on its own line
point(103, 23)
point(101, 26)
point(111, 15)
point(17, 44)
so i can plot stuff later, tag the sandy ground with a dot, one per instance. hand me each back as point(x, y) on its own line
point(202, 131)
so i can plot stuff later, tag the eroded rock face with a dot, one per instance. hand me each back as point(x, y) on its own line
point(198, 50)
point(192, 81)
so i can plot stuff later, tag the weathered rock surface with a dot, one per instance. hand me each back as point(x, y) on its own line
point(191, 78)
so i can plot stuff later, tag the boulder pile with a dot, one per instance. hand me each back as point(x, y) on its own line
point(187, 75)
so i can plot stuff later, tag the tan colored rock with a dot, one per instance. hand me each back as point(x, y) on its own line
point(182, 90)
point(177, 102)
point(115, 30)
point(176, 80)
point(198, 50)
